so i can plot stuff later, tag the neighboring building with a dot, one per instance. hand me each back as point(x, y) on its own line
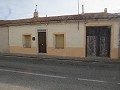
point(4, 40)
point(83, 35)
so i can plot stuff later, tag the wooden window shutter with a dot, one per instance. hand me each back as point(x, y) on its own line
point(59, 41)
point(27, 41)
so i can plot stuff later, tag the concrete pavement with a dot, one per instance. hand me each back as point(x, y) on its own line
point(65, 59)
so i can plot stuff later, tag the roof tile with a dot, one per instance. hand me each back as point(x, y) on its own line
point(85, 16)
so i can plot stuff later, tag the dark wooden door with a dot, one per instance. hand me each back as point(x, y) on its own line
point(42, 42)
point(98, 41)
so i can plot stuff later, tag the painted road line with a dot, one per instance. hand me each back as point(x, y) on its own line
point(91, 80)
point(53, 76)
point(36, 74)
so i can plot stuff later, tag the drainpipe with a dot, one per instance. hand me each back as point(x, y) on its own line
point(8, 40)
point(119, 43)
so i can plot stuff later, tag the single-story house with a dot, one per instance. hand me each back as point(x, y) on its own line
point(81, 35)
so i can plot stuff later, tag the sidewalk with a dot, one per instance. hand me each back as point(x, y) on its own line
point(60, 58)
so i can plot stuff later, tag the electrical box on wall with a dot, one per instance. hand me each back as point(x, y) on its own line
point(33, 38)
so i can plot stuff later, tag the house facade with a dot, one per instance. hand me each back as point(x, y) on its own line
point(84, 35)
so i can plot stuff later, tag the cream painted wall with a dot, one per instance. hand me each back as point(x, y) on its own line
point(74, 37)
point(4, 43)
point(116, 35)
point(16, 34)
point(16, 38)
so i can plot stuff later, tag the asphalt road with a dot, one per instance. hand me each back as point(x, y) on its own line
point(23, 73)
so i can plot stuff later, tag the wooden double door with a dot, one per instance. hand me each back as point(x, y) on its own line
point(42, 42)
point(98, 41)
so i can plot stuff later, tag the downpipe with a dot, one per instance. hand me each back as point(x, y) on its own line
point(119, 43)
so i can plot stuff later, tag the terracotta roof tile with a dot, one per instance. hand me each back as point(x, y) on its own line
point(86, 16)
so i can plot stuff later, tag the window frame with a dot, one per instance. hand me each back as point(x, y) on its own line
point(24, 45)
point(63, 40)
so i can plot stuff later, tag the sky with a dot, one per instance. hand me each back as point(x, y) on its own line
point(21, 9)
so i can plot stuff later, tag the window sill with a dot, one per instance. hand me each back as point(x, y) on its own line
point(26, 47)
point(60, 48)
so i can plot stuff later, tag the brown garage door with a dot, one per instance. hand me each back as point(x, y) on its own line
point(98, 41)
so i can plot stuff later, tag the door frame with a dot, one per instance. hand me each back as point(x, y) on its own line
point(38, 31)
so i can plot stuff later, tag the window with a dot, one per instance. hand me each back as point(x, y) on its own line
point(27, 41)
point(59, 41)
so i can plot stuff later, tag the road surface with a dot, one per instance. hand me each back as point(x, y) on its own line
point(23, 73)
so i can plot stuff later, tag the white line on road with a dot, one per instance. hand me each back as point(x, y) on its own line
point(53, 76)
point(91, 80)
point(36, 74)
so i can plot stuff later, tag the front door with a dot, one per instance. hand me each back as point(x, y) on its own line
point(98, 41)
point(42, 42)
